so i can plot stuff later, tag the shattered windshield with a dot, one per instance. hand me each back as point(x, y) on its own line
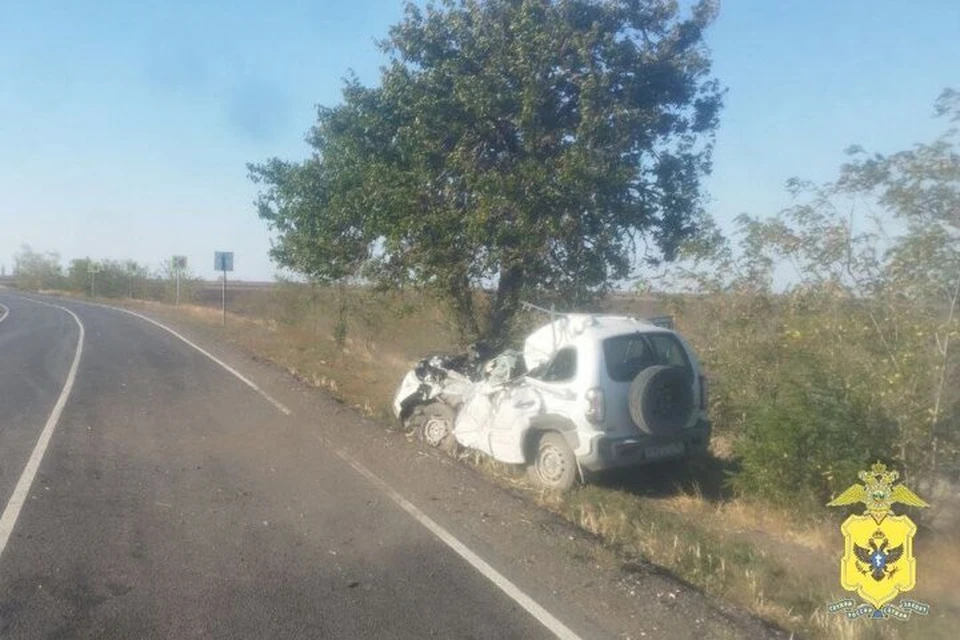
point(628, 355)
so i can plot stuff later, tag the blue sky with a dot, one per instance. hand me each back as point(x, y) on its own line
point(125, 127)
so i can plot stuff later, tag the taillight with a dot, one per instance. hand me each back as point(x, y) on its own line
point(703, 393)
point(596, 405)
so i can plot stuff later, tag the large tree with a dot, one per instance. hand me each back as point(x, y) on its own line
point(534, 147)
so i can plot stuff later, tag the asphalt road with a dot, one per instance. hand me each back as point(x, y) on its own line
point(175, 501)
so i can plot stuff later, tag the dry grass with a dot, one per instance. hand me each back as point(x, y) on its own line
point(769, 561)
point(353, 373)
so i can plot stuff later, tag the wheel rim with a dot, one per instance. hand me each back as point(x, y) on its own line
point(551, 464)
point(435, 430)
point(665, 401)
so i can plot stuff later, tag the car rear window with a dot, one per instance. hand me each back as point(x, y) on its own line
point(629, 354)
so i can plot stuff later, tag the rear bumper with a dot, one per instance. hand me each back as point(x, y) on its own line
point(611, 452)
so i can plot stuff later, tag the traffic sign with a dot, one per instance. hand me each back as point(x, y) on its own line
point(179, 265)
point(223, 260)
point(93, 268)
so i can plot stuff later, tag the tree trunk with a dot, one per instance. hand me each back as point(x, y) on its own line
point(460, 296)
point(944, 363)
point(340, 328)
point(506, 302)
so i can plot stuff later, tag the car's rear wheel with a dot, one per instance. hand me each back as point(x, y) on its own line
point(554, 464)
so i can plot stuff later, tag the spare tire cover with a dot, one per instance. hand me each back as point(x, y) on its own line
point(661, 399)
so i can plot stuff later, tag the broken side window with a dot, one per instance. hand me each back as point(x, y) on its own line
point(561, 368)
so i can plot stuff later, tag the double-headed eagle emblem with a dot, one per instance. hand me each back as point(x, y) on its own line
point(878, 492)
point(878, 562)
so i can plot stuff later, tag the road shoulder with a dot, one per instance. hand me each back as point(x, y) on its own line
point(568, 571)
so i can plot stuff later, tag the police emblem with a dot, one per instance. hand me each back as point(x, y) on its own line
point(878, 562)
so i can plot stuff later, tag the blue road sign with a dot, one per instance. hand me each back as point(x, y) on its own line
point(223, 260)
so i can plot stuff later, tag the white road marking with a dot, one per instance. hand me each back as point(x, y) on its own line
point(10, 514)
point(502, 582)
point(282, 408)
point(514, 592)
point(4, 313)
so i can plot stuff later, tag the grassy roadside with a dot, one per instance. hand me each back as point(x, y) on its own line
point(767, 561)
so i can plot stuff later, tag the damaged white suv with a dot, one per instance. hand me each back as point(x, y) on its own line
point(588, 392)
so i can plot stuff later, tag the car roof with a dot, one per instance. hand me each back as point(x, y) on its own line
point(571, 328)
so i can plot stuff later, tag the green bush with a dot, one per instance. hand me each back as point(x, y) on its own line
point(809, 440)
point(33, 270)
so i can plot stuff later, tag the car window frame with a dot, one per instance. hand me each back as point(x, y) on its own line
point(646, 337)
point(540, 372)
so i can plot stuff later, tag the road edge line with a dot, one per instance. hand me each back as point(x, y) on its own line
point(503, 583)
point(19, 496)
point(7, 521)
point(279, 406)
point(6, 312)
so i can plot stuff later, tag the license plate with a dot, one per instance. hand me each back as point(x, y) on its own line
point(665, 451)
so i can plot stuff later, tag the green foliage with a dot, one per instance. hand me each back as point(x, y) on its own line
point(165, 284)
point(340, 328)
point(78, 275)
point(809, 439)
point(33, 270)
point(865, 335)
point(530, 145)
point(114, 278)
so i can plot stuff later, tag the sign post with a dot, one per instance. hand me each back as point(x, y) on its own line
point(179, 264)
point(94, 269)
point(131, 274)
point(223, 261)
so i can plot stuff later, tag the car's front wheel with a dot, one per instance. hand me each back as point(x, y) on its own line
point(554, 464)
point(435, 427)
